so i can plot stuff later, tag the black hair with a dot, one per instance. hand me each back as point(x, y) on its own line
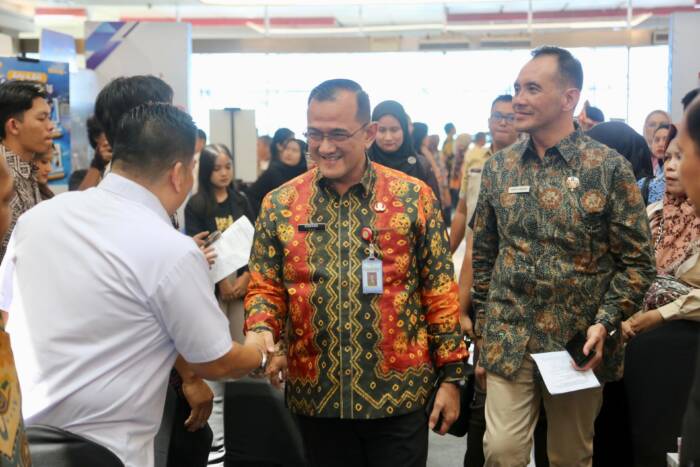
point(76, 178)
point(281, 135)
point(152, 137)
point(502, 98)
point(663, 126)
point(570, 68)
point(201, 134)
point(123, 94)
point(480, 136)
point(420, 131)
point(595, 114)
point(327, 91)
point(692, 120)
point(689, 98)
point(449, 127)
point(94, 131)
point(16, 97)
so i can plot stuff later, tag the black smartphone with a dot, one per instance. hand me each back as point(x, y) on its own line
point(575, 349)
point(211, 238)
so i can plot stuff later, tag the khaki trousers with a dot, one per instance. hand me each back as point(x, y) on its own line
point(512, 409)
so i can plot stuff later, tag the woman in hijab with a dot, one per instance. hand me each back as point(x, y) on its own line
point(393, 147)
point(630, 144)
point(287, 161)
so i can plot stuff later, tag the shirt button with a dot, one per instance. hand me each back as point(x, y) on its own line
point(347, 348)
point(347, 372)
point(347, 326)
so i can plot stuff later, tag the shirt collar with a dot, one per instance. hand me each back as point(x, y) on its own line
point(366, 182)
point(17, 164)
point(567, 148)
point(122, 186)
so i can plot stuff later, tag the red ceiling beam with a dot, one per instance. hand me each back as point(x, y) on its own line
point(240, 22)
point(564, 14)
point(56, 11)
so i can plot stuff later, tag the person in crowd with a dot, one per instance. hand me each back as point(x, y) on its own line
point(111, 387)
point(215, 207)
point(263, 153)
point(654, 186)
point(676, 241)
point(365, 342)
point(689, 98)
point(689, 145)
point(652, 122)
point(503, 134)
point(198, 146)
point(190, 438)
point(573, 230)
point(42, 170)
point(421, 143)
point(393, 147)
point(25, 129)
point(14, 450)
point(589, 117)
point(277, 143)
point(461, 146)
point(448, 146)
point(628, 143)
point(287, 161)
point(102, 154)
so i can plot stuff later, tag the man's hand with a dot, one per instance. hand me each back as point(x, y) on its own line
point(627, 331)
point(447, 404)
point(276, 370)
point(646, 321)
point(262, 339)
point(466, 323)
point(200, 238)
point(240, 286)
point(226, 291)
point(595, 338)
point(200, 397)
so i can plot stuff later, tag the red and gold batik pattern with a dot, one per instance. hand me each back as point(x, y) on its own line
point(355, 355)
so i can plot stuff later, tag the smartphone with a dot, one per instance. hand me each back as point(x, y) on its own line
point(575, 349)
point(211, 238)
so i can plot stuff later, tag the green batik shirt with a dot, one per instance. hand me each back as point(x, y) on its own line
point(351, 354)
point(560, 243)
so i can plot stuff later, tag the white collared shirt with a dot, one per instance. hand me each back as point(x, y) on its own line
point(102, 294)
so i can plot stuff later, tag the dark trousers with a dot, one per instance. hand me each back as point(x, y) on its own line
point(400, 441)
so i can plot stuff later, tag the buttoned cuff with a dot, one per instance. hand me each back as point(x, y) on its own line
point(671, 310)
point(452, 372)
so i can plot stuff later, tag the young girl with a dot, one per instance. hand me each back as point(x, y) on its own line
point(216, 206)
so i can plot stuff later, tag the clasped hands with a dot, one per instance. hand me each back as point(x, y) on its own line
point(276, 368)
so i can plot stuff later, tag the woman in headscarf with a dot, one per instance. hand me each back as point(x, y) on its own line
point(421, 145)
point(393, 147)
point(286, 162)
point(655, 119)
point(630, 144)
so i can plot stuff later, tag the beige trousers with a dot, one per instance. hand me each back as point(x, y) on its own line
point(512, 409)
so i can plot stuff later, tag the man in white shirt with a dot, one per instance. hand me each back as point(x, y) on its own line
point(105, 294)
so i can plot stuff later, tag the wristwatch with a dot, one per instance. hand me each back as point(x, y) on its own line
point(609, 328)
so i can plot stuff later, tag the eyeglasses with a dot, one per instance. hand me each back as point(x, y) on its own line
point(498, 116)
point(334, 136)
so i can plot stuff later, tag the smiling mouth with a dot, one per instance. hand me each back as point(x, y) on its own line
point(331, 158)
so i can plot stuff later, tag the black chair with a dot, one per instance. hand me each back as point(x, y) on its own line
point(259, 430)
point(53, 447)
point(659, 370)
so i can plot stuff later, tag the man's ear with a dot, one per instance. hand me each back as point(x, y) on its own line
point(370, 134)
point(570, 99)
point(12, 126)
point(176, 176)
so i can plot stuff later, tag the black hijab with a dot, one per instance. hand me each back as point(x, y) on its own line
point(404, 159)
point(630, 144)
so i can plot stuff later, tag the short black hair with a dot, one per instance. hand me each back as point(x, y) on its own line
point(94, 131)
point(16, 97)
point(152, 137)
point(449, 127)
point(595, 114)
point(570, 68)
point(689, 97)
point(502, 98)
point(692, 120)
point(123, 94)
point(201, 134)
point(328, 90)
point(663, 126)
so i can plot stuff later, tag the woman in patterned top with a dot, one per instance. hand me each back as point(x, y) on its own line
point(653, 188)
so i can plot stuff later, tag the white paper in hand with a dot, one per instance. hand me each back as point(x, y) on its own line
point(232, 249)
point(560, 376)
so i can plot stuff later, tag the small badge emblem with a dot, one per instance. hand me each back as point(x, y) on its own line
point(366, 234)
point(412, 160)
point(572, 183)
point(380, 207)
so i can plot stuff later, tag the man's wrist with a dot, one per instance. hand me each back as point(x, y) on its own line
point(610, 329)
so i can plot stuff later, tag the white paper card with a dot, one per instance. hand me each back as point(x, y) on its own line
point(232, 249)
point(560, 376)
point(519, 189)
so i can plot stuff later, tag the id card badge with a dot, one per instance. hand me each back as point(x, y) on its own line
point(372, 276)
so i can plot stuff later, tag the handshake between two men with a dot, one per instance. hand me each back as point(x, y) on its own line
point(274, 361)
